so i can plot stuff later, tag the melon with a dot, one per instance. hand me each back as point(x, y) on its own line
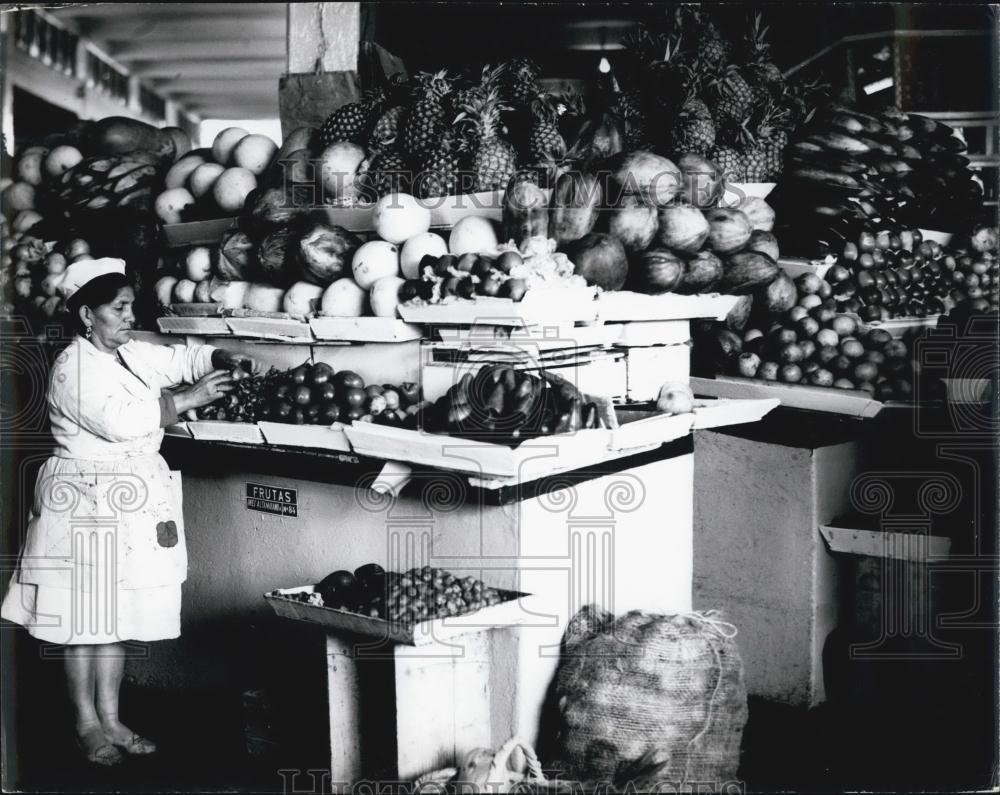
point(473, 235)
point(385, 296)
point(399, 216)
point(344, 298)
point(264, 298)
point(373, 261)
point(418, 247)
point(302, 299)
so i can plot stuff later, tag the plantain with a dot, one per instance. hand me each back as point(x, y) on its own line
point(590, 416)
point(840, 142)
point(826, 178)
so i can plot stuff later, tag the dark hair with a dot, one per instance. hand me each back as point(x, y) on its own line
point(95, 293)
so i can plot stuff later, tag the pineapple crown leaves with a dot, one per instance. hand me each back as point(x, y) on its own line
point(482, 112)
point(573, 103)
point(545, 107)
point(431, 85)
point(758, 48)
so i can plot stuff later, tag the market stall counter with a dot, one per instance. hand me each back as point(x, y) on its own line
point(617, 533)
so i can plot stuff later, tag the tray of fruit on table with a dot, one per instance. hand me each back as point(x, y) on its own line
point(416, 607)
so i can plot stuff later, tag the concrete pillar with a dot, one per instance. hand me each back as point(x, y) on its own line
point(324, 43)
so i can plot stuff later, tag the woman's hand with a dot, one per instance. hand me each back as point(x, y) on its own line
point(228, 360)
point(206, 390)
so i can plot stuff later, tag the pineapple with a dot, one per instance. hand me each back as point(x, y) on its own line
point(766, 78)
point(353, 121)
point(439, 170)
point(388, 172)
point(386, 129)
point(520, 81)
point(425, 125)
point(734, 97)
point(727, 155)
point(710, 48)
point(772, 136)
point(693, 129)
point(494, 160)
point(544, 138)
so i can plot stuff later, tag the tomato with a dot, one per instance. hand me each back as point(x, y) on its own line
point(353, 397)
point(298, 416)
point(280, 410)
point(356, 413)
point(320, 373)
point(300, 374)
point(372, 390)
point(329, 413)
point(409, 393)
point(302, 395)
point(312, 414)
point(325, 393)
point(347, 379)
point(283, 391)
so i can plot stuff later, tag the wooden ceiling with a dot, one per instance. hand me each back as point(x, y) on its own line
point(219, 60)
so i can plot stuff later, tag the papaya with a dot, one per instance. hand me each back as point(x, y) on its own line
point(745, 271)
point(574, 206)
point(780, 295)
point(600, 259)
point(653, 178)
point(764, 243)
point(701, 180)
point(525, 213)
point(739, 315)
point(702, 273)
point(682, 228)
point(728, 229)
point(659, 271)
point(759, 212)
point(635, 227)
point(120, 135)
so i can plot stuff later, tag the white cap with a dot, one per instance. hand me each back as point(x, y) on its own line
point(85, 270)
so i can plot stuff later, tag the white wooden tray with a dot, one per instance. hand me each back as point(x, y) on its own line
point(641, 427)
point(363, 329)
point(532, 459)
point(270, 329)
point(214, 326)
point(877, 544)
point(556, 304)
point(218, 431)
point(320, 437)
point(628, 306)
point(195, 233)
point(854, 403)
point(517, 608)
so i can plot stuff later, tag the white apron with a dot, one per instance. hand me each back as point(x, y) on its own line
point(104, 554)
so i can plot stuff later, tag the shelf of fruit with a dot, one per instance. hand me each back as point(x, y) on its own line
point(793, 340)
point(416, 607)
point(850, 170)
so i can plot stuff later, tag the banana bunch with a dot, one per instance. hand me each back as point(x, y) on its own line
point(507, 406)
point(896, 170)
point(99, 183)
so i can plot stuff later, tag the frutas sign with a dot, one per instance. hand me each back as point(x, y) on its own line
point(271, 499)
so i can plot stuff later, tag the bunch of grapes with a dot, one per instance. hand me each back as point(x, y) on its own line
point(428, 593)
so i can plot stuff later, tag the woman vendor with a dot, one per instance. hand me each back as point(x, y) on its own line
point(104, 555)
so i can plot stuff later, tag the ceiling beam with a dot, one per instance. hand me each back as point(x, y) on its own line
point(141, 29)
point(220, 86)
point(167, 69)
point(232, 10)
point(198, 50)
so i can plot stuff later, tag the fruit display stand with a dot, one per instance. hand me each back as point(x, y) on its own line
point(539, 535)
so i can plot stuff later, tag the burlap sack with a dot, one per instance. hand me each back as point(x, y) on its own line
point(670, 686)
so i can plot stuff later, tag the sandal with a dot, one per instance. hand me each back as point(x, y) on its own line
point(105, 755)
point(138, 745)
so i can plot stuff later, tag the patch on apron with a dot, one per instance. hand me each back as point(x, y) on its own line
point(166, 534)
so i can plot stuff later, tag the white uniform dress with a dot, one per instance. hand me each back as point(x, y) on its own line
point(104, 556)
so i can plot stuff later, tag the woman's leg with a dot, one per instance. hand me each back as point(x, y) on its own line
point(110, 667)
point(81, 681)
